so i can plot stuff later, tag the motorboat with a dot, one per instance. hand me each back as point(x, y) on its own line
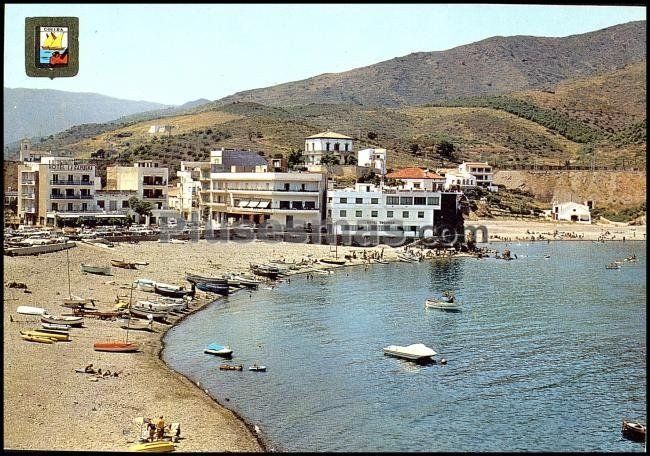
point(257, 368)
point(413, 352)
point(446, 302)
point(265, 270)
point(219, 350)
point(612, 266)
point(232, 367)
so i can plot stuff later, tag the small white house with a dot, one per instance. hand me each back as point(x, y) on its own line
point(372, 158)
point(329, 142)
point(572, 212)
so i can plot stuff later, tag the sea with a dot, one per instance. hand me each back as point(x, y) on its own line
point(547, 354)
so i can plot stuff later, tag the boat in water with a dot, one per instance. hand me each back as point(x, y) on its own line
point(446, 302)
point(272, 272)
point(613, 266)
point(408, 258)
point(632, 430)
point(219, 350)
point(232, 367)
point(413, 352)
point(257, 368)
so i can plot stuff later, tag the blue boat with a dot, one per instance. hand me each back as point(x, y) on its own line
point(219, 350)
point(222, 289)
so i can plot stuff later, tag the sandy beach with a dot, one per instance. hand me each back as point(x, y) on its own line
point(48, 406)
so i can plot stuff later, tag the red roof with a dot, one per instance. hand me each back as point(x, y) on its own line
point(413, 173)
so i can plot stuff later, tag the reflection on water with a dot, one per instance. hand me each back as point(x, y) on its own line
point(557, 344)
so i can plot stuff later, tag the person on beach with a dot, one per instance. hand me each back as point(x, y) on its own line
point(160, 428)
point(152, 429)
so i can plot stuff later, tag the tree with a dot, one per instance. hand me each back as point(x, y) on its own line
point(295, 158)
point(142, 208)
point(350, 159)
point(445, 149)
point(372, 135)
point(329, 159)
point(414, 148)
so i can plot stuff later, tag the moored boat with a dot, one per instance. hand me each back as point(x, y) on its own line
point(612, 266)
point(101, 270)
point(413, 352)
point(247, 282)
point(633, 430)
point(234, 367)
point(271, 272)
point(446, 302)
point(408, 258)
point(172, 291)
point(219, 350)
point(257, 368)
point(114, 346)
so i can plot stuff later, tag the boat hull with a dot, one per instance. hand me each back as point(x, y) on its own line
point(633, 431)
point(27, 310)
point(95, 269)
point(233, 367)
point(159, 446)
point(440, 305)
point(172, 293)
point(213, 288)
point(123, 264)
point(43, 340)
point(39, 333)
point(119, 347)
point(70, 321)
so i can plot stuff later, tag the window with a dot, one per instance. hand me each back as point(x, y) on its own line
point(69, 192)
point(329, 199)
point(285, 204)
point(389, 214)
point(346, 147)
point(358, 200)
point(374, 213)
point(433, 200)
point(286, 187)
point(392, 200)
point(310, 205)
point(302, 187)
point(100, 204)
point(343, 213)
point(296, 204)
point(405, 214)
point(85, 178)
point(70, 177)
point(84, 207)
point(125, 204)
point(327, 146)
point(329, 213)
point(55, 206)
point(374, 200)
point(406, 200)
point(420, 214)
point(420, 201)
point(416, 185)
point(343, 200)
point(112, 205)
point(336, 147)
point(359, 213)
point(70, 207)
point(55, 177)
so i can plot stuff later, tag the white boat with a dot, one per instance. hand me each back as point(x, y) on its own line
point(55, 326)
point(162, 306)
point(72, 321)
point(136, 323)
point(446, 302)
point(414, 352)
point(408, 258)
point(219, 350)
point(27, 310)
point(145, 285)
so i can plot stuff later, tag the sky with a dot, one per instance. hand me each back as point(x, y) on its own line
point(175, 53)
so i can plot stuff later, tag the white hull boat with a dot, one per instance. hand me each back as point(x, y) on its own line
point(27, 310)
point(414, 352)
point(72, 321)
point(145, 285)
point(219, 350)
point(433, 303)
point(55, 326)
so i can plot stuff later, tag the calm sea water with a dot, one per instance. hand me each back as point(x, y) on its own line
point(547, 354)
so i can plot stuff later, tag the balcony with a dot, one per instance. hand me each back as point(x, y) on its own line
point(27, 195)
point(28, 182)
point(30, 210)
point(77, 182)
point(58, 196)
point(155, 183)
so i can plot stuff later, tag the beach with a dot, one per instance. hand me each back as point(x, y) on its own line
point(48, 406)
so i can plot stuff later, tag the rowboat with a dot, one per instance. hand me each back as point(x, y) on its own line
point(408, 258)
point(330, 260)
point(247, 282)
point(136, 324)
point(41, 339)
point(219, 350)
point(78, 302)
point(72, 321)
point(271, 272)
point(446, 302)
point(39, 333)
point(102, 270)
point(160, 315)
point(158, 446)
point(257, 368)
point(63, 332)
point(612, 266)
point(633, 431)
point(175, 304)
point(145, 285)
point(232, 367)
point(55, 326)
point(170, 290)
point(123, 264)
point(122, 347)
point(414, 352)
point(27, 310)
point(195, 278)
point(213, 288)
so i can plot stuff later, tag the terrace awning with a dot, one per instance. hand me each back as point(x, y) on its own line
point(244, 203)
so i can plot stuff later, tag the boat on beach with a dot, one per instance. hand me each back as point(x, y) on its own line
point(101, 270)
point(265, 270)
point(142, 312)
point(44, 333)
point(413, 352)
point(114, 346)
point(172, 291)
point(55, 326)
point(147, 285)
point(53, 319)
point(157, 446)
point(27, 310)
point(330, 260)
point(41, 339)
point(136, 324)
point(408, 258)
point(219, 350)
point(213, 288)
point(123, 264)
point(247, 282)
point(195, 278)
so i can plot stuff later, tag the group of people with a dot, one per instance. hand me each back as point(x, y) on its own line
point(156, 429)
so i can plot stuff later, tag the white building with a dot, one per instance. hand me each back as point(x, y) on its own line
point(158, 129)
point(56, 187)
point(481, 171)
point(318, 145)
point(385, 212)
point(186, 197)
point(573, 212)
point(256, 196)
point(417, 179)
point(114, 202)
point(374, 158)
point(455, 179)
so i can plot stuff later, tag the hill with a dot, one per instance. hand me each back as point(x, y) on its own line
point(38, 113)
point(493, 66)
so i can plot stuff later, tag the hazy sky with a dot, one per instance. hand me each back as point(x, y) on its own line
point(177, 53)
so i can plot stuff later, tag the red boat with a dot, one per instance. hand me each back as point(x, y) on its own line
point(123, 347)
